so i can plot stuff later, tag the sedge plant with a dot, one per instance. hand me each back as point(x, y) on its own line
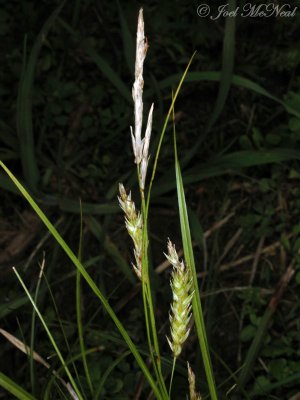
point(185, 292)
point(183, 277)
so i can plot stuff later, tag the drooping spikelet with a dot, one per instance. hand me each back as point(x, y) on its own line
point(134, 225)
point(181, 285)
point(192, 385)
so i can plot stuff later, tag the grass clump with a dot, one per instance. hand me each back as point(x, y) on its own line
point(239, 161)
point(137, 227)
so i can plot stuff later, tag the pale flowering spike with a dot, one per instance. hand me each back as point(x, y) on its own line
point(146, 142)
point(140, 145)
point(134, 226)
point(172, 255)
point(148, 133)
point(141, 46)
point(192, 385)
point(137, 90)
point(143, 172)
point(133, 143)
point(181, 285)
point(126, 203)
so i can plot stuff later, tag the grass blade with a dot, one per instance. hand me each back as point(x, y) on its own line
point(49, 335)
point(263, 327)
point(111, 249)
point(263, 390)
point(24, 106)
point(108, 72)
point(6, 184)
point(189, 258)
point(106, 374)
point(79, 309)
point(226, 164)
point(147, 296)
point(215, 76)
point(72, 206)
point(12, 306)
point(13, 388)
point(225, 79)
point(64, 204)
point(128, 42)
point(181, 79)
point(101, 63)
point(87, 278)
point(32, 330)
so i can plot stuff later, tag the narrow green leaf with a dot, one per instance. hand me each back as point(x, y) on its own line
point(108, 72)
point(13, 388)
point(111, 249)
point(24, 106)
point(226, 164)
point(189, 258)
point(12, 306)
point(87, 208)
point(79, 309)
point(265, 389)
point(87, 278)
point(196, 228)
point(227, 65)
point(65, 204)
point(8, 136)
point(106, 374)
point(262, 328)
point(181, 79)
point(101, 63)
point(128, 42)
point(225, 79)
point(6, 184)
point(33, 331)
point(215, 76)
point(50, 336)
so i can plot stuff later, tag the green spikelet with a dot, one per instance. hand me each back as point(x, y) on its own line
point(134, 225)
point(181, 285)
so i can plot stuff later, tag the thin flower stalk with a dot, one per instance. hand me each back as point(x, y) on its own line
point(136, 223)
point(140, 146)
point(134, 226)
point(181, 285)
point(192, 385)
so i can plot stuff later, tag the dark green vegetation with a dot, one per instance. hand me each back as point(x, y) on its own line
point(66, 79)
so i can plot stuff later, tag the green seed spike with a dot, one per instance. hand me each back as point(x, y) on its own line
point(181, 285)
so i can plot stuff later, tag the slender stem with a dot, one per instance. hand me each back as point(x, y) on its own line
point(156, 355)
point(148, 302)
point(33, 318)
point(164, 129)
point(78, 309)
point(172, 375)
point(80, 331)
point(145, 280)
point(146, 312)
point(64, 364)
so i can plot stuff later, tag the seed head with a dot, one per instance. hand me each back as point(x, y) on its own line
point(134, 226)
point(181, 285)
point(140, 146)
